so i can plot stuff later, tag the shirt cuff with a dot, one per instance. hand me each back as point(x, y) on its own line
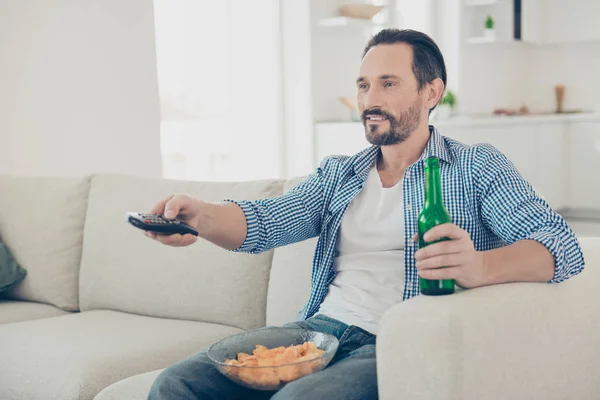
point(252, 237)
point(554, 245)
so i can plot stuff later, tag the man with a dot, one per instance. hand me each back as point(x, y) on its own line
point(364, 209)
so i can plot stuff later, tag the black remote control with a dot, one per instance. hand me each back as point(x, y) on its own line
point(159, 224)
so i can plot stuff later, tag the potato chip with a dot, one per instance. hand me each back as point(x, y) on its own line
point(276, 357)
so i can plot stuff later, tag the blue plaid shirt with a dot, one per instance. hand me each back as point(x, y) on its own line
point(482, 190)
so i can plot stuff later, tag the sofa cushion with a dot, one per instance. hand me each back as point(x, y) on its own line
point(76, 356)
point(124, 270)
point(133, 388)
point(289, 285)
point(41, 222)
point(16, 311)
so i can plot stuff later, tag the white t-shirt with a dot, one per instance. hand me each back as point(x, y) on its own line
point(369, 260)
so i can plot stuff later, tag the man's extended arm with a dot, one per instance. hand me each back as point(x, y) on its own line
point(292, 217)
point(250, 226)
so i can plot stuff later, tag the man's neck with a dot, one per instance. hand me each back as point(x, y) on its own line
point(394, 159)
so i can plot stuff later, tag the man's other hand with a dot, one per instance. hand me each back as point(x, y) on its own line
point(455, 258)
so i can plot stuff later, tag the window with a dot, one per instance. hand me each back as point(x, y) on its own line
point(219, 75)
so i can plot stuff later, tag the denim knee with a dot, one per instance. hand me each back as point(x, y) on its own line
point(162, 385)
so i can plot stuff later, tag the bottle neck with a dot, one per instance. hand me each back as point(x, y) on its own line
point(433, 187)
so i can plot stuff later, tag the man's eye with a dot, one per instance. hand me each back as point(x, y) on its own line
point(362, 86)
point(389, 84)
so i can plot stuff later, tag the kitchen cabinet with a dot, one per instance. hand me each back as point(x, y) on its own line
point(560, 21)
point(584, 174)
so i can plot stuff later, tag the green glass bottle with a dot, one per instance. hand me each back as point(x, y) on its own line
point(433, 213)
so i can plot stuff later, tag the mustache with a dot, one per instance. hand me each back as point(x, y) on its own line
point(376, 111)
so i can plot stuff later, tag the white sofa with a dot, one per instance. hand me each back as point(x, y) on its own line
point(103, 308)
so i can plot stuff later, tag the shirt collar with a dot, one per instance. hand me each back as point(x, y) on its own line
point(436, 147)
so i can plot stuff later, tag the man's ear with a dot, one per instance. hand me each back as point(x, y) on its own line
point(435, 91)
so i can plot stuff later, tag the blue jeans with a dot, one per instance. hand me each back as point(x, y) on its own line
point(351, 374)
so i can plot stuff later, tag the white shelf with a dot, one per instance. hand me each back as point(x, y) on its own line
point(485, 39)
point(475, 3)
point(347, 21)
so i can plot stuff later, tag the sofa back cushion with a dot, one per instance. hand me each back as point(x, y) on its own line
point(124, 270)
point(290, 280)
point(41, 223)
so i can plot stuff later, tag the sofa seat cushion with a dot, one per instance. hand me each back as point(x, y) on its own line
point(75, 356)
point(17, 311)
point(133, 388)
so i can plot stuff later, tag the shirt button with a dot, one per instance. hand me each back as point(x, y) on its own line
point(409, 207)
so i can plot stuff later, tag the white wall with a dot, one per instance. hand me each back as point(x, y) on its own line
point(298, 147)
point(445, 30)
point(565, 50)
point(574, 65)
point(525, 73)
point(493, 76)
point(78, 87)
point(336, 56)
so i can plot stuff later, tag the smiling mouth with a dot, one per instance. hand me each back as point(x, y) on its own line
point(376, 118)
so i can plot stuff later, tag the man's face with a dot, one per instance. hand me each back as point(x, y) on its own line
point(388, 95)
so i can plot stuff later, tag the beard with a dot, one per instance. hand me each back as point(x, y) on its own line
point(400, 128)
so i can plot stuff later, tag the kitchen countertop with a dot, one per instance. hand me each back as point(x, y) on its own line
point(480, 120)
point(517, 119)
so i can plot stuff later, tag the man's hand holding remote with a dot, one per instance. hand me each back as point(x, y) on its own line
point(185, 208)
point(223, 224)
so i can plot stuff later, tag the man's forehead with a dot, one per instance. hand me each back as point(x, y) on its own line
point(387, 59)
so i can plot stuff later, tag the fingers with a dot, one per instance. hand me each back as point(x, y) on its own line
point(442, 261)
point(176, 240)
point(174, 205)
point(159, 208)
point(445, 247)
point(449, 231)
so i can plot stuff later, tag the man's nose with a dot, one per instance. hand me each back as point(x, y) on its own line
point(372, 99)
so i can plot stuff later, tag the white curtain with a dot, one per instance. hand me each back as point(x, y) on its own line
point(219, 69)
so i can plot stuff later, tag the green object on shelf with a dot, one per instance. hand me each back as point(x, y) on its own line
point(449, 99)
point(489, 22)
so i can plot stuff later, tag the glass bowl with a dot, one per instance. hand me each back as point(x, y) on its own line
point(271, 377)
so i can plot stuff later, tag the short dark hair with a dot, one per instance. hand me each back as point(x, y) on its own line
point(428, 62)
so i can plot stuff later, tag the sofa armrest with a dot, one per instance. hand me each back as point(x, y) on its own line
point(512, 341)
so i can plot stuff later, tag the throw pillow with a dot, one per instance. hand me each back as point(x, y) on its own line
point(10, 272)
